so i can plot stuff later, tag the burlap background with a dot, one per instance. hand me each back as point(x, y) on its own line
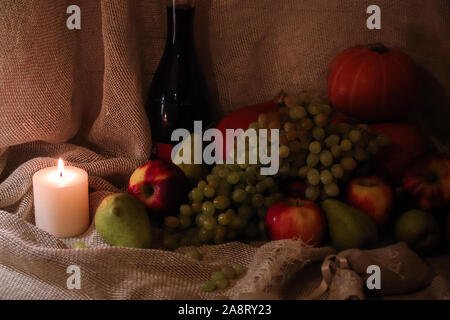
point(63, 89)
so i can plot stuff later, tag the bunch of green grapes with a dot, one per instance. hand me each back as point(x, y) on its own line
point(231, 204)
point(315, 151)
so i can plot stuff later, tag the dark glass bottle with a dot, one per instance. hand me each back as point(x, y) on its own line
point(178, 95)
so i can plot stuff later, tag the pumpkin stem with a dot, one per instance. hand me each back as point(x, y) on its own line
point(378, 47)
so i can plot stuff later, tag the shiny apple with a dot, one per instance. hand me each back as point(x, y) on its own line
point(428, 181)
point(296, 218)
point(373, 196)
point(161, 186)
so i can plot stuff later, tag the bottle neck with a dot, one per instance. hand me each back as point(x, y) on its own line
point(180, 26)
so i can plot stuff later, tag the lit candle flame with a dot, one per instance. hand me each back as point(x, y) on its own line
point(60, 167)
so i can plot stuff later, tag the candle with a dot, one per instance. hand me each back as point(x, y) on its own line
point(61, 200)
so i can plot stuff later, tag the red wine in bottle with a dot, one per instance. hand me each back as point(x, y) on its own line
point(178, 95)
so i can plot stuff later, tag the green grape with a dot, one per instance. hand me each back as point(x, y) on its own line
point(208, 208)
point(289, 126)
point(210, 223)
point(223, 172)
point(196, 207)
point(200, 219)
point(194, 254)
point(224, 219)
point(209, 286)
point(331, 190)
point(326, 177)
point(172, 222)
point(209, 192)
point(221, 202)
point(239, 195)
point(186, 210)
point(315, 147)
point(346, 145)
point(306, 124)
point(321, 120)
point(224, 188)
point(326, 158)
point(284, 151)
point(245, 212)
point(250, 171)
point(197, 194)
point(262, 211)
point(185, 221)
point(233, 178)
point(318, 133)
point(238, 269)
point(354, 136)
point(303, 171)
point(269, 201)
point(314, 109)
point(190, 195)
point(312, 193)
point(257, 200)
point(337, 171)
point(332, 140)
point(360, 154)
point(313, 177)
point(261, 187)
point(228, 272)
point(297, 113)
point(269, 182)
point(211, 177)
point(312, 160)
point(213, 183)
point(336, 151)
point(205, 235)
point(326, 109)
point(348, 164)
point(217, 276)
point(253, 125)
point(201, 184)
point(236, 223)
point(250, 189)
point(222, 284)
point(343, 128)
point(284, 170)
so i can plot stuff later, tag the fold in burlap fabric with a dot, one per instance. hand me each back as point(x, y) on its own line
point(79, 95)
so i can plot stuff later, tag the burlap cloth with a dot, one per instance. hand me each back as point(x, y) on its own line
point(62, 89)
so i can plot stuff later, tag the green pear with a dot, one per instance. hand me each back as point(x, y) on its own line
point(121, 220)
point(349, 227)
point(419, 229)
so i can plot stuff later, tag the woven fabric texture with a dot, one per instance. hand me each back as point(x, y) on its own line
point(78, 94)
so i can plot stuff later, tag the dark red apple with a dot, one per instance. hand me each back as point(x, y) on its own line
point(161, 186)
point(294, 218)
point(406, 142)
point(428, 181)
point(373, 196)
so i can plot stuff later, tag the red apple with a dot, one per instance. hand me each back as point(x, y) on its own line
point(406, 142)
point(296, 218)
point(428, 181)
point(373, 196)
point(161, 186)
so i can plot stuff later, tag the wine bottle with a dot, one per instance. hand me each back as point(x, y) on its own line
point(178, 95)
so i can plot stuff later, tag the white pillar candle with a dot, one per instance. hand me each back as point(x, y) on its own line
point(61, 200)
